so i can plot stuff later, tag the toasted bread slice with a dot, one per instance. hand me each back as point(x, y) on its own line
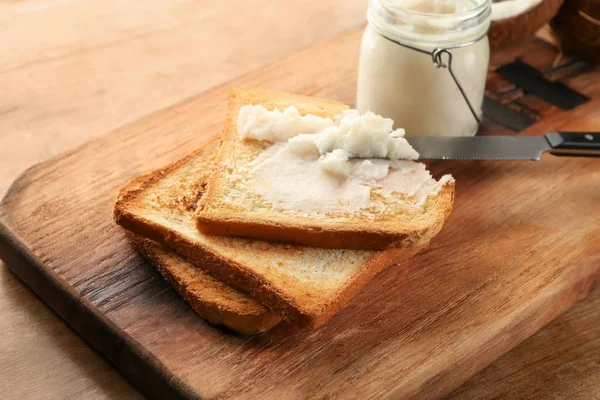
point(213, 300)
point(303, 284)
point(216, 302)
point(231, 207)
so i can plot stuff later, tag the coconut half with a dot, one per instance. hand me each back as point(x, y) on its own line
point(514, 21)
point(577, 27)
point(504, 9)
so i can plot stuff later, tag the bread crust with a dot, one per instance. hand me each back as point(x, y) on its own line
point(260, 289)
point(318, 235)
point(209, 300)
point(286, 296)
point(213, 218)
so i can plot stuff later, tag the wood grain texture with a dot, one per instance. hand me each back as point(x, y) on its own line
point(505, 265)
point(94, 66)
point(559, 362)
point(71, 70)
point(33, 364)
point(41, 358)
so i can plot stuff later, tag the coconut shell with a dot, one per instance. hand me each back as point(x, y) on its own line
point(579, 36)
point(515, 30)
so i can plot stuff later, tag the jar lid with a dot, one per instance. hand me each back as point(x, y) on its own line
point(431, 23)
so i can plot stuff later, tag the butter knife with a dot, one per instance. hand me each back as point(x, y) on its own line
point(506, 147)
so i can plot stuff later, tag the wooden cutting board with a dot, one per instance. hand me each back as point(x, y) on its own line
point(521, 246)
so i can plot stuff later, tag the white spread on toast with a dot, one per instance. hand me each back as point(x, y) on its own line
point(290, 182)
point(258, 123)
point(367, 136)
point(307, 168)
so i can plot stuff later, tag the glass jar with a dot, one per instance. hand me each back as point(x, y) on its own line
point(408, 51)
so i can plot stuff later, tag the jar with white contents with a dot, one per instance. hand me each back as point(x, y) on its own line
point(423, 63)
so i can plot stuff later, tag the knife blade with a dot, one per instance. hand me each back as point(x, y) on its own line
point(586, 144)
point(506, 147)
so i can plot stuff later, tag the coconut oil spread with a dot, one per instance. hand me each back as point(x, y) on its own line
point(309, 166)
point(400, 77)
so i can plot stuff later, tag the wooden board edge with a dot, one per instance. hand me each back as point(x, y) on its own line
point(531, 320)
point(139, 366)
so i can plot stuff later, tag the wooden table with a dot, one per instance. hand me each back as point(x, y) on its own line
point(75, 69)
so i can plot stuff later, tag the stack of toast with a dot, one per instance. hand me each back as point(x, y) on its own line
point(247, 266)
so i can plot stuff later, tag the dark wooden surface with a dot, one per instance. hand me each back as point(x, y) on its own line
point(560, 361)
point(521, 246)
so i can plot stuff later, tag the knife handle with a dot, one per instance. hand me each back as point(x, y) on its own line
point(585, 144)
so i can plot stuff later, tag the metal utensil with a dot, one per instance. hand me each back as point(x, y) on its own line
point(506, 147)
